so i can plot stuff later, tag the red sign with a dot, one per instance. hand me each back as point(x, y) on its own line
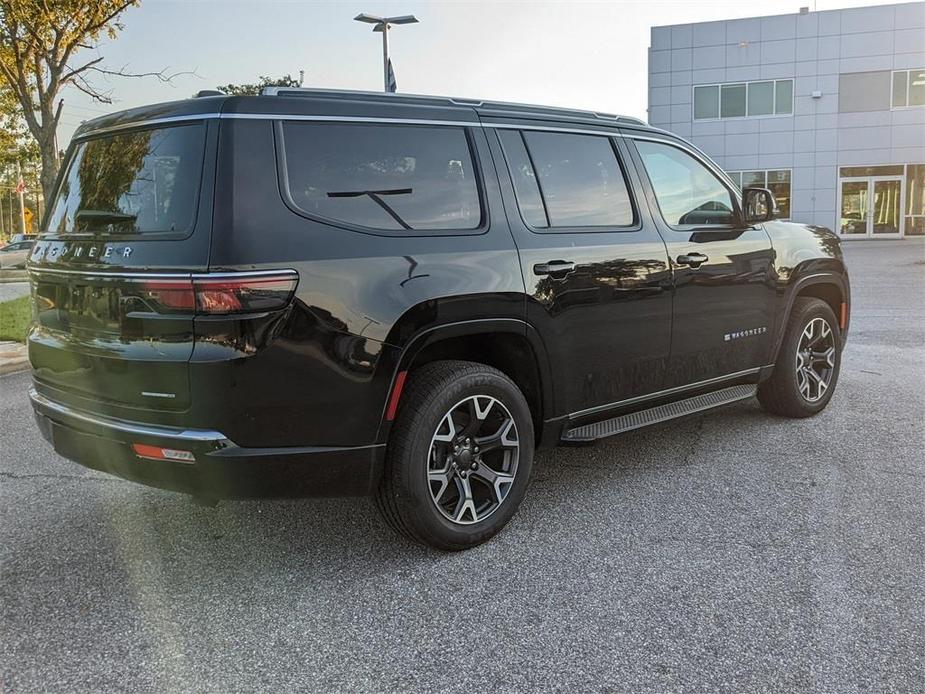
point(20, 187)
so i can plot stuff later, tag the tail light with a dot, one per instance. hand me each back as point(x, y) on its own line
point(222, 294)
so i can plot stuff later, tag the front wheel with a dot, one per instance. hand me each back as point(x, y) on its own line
point(459, 456)
point(808, 363)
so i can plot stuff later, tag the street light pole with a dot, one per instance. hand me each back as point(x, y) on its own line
point(384, 24)
point(385, 57)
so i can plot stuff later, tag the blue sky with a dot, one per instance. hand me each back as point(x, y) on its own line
point(579, 54)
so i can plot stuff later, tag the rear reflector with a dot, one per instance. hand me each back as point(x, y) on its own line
point(843, 319)
point(143, 450)
point(396, 395)
point(222, 294)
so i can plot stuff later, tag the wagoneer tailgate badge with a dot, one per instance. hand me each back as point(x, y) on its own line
point(62, 249)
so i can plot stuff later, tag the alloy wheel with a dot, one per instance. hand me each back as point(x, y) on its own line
point(473, 459)
point(815, 359)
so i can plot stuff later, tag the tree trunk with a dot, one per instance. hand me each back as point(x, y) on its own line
point(49, 165)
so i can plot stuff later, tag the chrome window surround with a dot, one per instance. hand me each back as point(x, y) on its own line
point(652, 134)
point(340, 119)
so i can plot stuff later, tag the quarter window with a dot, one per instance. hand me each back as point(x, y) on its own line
point(384, 177)
point(760, 98)
point(688, 193)
point(566, 180)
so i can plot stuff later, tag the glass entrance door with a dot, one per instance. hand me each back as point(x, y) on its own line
point(886, 211)
point(870, 207)
point(853, 208)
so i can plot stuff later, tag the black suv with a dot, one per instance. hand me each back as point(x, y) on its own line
point(316, 292)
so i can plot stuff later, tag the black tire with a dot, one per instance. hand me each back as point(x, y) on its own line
point(781, 393)
point(405, 496)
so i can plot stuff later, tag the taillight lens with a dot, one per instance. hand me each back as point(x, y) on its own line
point(247, 294)
point(222, 294)
point(171, 294)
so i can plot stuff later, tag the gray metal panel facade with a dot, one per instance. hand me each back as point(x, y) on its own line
point(814, 50)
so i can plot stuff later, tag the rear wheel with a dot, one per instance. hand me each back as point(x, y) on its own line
point(459, 456)
point(808, 362)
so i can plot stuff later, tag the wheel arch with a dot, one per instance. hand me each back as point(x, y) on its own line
point(508, 344)
point(829, 286)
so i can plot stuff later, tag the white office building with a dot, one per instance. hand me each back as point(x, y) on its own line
point(827, 109)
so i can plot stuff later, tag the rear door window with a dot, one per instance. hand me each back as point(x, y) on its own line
point(565, 180)
point(134, 182)
point(396, 178)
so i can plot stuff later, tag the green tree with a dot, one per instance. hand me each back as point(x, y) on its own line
point(39, 43)
point(254, 89)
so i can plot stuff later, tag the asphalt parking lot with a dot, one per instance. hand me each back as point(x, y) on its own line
point(727, 552)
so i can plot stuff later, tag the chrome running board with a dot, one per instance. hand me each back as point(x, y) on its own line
point(654, 415)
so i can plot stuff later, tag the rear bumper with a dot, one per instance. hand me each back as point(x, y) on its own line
point(222, 470)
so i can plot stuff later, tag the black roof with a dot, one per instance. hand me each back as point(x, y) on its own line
point(297, 101)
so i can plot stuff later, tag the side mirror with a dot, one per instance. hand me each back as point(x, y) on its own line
point(759, 205)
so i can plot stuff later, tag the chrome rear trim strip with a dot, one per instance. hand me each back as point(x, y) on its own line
point(117, 425)
point(160, 275)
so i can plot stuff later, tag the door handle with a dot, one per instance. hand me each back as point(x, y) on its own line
point(695, 260)
point(554, 268)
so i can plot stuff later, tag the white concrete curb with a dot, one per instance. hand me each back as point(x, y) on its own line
point(13, 357)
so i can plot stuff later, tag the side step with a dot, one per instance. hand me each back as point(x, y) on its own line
point(662, 413)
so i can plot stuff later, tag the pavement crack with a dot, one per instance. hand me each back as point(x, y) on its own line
point(32, 476)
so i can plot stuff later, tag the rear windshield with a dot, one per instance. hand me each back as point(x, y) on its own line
point(136, 182)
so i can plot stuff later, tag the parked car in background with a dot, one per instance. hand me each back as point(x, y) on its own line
point(15, 255)
point(315, 292)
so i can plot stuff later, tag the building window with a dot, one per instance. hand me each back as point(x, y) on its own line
point(776, 180)
point(908, 88)
point(706, 102)
point(759, 98)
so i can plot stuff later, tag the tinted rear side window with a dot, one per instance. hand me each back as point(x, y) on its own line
point(383, 177)
point(578, 177)
point(135, 182)
point(525, 185)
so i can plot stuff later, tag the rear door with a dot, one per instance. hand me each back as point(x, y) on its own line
point(132, 215)
point(724, 277)
point(596, 271)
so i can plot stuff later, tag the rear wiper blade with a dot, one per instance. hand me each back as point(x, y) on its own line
point(375, 196)
point(105, 215)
